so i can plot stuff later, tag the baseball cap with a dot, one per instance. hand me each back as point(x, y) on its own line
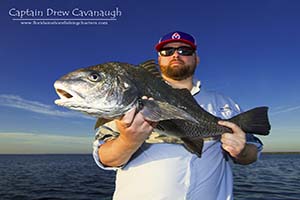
point(176, 36)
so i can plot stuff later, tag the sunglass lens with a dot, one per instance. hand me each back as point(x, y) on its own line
point(167, 51)
point(185, 51)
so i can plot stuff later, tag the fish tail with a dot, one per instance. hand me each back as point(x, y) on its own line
point(253, 121)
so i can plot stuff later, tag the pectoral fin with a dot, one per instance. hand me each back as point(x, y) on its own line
point(158, 111)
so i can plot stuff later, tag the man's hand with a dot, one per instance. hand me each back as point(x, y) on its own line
point(235, 144)
point(134, 130)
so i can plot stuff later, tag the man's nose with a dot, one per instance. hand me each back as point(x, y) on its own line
point(176, 54)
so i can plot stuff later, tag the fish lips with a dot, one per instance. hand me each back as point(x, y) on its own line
point(66, 95)
point(74, 101)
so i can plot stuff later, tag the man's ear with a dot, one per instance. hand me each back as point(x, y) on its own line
point(198, 60)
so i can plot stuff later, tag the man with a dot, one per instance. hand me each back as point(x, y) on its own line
point(151, 166)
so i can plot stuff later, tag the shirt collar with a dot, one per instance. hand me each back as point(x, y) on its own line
point(196, 87)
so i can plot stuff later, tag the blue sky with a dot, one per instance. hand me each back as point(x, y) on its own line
point(249, 51)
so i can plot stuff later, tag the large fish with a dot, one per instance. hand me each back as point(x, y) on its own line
point(107, 91)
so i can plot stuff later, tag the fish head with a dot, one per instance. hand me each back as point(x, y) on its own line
point(100, 91)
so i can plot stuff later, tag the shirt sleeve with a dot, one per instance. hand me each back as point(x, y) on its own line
point(251, 139)
point(104, 133)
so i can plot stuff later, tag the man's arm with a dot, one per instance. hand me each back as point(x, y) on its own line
point(134, 130)
point(235, 144)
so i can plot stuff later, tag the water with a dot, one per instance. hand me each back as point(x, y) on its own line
point(274, 177)
point(55, 177)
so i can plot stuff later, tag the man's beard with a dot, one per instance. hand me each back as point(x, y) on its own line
point(178, 72)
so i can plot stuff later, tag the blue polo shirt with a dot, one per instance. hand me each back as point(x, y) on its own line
point(169, 172)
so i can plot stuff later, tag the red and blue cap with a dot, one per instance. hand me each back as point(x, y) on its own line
point(176, 36)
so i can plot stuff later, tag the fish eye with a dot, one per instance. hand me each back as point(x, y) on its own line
point(95, 77)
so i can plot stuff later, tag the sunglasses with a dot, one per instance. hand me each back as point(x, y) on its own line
point(183, 51)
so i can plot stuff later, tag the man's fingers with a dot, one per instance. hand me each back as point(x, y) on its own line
point(233, 126)
point(127, 119)
point(227, 148)
point(230, 139)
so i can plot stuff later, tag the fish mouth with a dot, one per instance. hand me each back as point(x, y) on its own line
point(63, 94)
point(66, 96)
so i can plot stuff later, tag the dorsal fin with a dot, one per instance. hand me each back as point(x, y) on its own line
point(151, 67)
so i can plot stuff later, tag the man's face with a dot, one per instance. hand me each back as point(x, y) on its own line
point(176, 66)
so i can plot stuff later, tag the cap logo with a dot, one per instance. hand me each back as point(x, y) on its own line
point(176, 36)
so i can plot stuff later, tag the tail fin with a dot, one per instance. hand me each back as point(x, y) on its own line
point(253, 121)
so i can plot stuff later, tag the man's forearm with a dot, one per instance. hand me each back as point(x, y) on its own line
point(117, 152)
point(248, 155)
